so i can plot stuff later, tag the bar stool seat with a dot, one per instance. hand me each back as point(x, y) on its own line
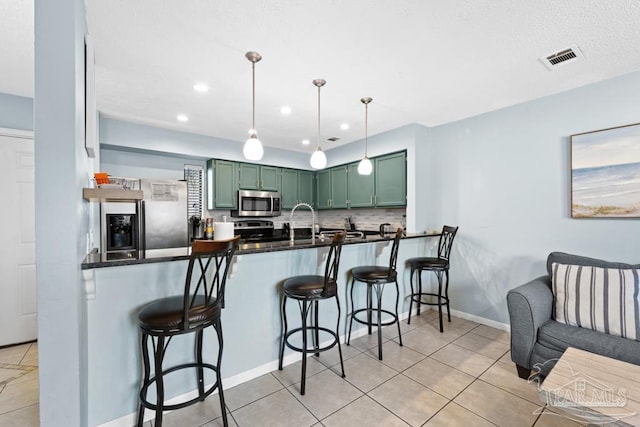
point(440, 266)
point(308, 290)
point(375, 277)
point(309, 286)
point(197, 309)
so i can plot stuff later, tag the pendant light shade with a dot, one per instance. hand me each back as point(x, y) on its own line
point(365, 167)
point(318, 158)
point(253, 147)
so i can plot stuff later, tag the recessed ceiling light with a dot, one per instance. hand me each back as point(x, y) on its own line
point(182, 118)
point(306, 142)
point(200, 87)
point(286, 110)
point(344, 126)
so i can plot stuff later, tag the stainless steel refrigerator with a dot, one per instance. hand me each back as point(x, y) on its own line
point(163, 214)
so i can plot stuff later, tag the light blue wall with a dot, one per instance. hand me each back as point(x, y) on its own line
point(62, 218)
point(116, 134)
point(16, 112)
point(504, 178)
point(144, 165)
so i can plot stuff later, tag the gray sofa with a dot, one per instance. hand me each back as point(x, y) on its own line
point(536, 338)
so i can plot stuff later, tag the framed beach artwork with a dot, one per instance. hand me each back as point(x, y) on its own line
point(605, 173)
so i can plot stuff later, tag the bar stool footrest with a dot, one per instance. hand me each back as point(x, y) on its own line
point(393, 320)
point(442, 300)
point(313, 349)
point(180, 405)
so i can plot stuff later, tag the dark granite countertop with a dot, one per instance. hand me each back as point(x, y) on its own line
point(100, 260)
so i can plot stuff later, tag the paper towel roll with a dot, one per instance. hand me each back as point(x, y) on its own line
point(223, 230)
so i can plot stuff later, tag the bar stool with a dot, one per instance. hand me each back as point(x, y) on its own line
point(308, 290)
point(439, 266)
point(198, 308)
point(375, 277)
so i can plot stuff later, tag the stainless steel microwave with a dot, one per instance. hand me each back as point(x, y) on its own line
point(257, 203)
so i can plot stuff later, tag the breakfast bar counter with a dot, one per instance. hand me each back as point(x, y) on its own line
point(99, 260)
point(114, 290)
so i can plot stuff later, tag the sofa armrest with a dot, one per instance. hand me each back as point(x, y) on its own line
point(530, 306)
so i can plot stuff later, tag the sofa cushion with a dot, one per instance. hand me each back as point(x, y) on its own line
point(602, 299)
point(558, 336)
point(564, 258)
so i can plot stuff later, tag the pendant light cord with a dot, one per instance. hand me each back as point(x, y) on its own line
point(366, 122)
point(253, 82)
point(318, 118)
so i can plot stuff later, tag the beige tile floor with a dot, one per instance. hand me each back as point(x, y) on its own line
point(19, 386)
point(463, 377)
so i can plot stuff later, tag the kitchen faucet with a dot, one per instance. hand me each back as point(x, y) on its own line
point(313, 223)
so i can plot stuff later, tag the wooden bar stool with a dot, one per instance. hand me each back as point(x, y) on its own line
point(375, 277)
point(308, 290)
point(439, 265)
point(198, 308)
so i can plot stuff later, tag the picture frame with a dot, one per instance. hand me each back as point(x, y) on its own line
point(605, 173)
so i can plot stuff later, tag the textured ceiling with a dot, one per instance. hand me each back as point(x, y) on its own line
point(428, 62)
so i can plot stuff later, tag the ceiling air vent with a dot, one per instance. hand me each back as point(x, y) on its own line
point(333, 139)
point(564, 57)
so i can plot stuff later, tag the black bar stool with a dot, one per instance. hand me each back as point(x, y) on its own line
point(375, 277)
point(199, 308)
point(308, 290)
point(439, 266)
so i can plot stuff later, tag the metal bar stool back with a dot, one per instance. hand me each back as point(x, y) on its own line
point(198, 308)
point(308, 290)
point(440, 266)
point(375, 277)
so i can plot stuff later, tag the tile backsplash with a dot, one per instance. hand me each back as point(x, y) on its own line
point(364, 219)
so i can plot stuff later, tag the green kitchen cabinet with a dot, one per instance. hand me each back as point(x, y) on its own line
point(289, 193)
point(257, 177)
point(323, 189)
point(225, 184)
point(361, 188)
point(390, 173)
point(339, 189)
point(305, 187)
point(332, 188)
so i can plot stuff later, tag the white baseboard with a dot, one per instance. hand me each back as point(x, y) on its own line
point(130, 419)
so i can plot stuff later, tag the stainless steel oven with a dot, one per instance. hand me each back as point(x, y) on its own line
point(257, 203)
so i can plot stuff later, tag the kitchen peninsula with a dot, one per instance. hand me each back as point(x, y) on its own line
point(116, 289)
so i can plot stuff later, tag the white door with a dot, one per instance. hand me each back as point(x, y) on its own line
point(18, 242)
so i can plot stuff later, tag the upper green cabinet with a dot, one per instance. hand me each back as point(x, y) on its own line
point(342, 187)
point(222, 184)
point(339, 187)
point(323, 191)
point(297, 187)
point(390, 173)
point(305, 187)
point(361, 188)
point(257, 177)
point(332, 188)
point(290, 188)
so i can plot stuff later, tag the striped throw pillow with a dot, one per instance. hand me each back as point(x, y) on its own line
point(603, 299)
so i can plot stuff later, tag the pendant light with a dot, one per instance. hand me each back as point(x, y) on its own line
point(365, 167)
point(253, 147)
point(318, 158)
